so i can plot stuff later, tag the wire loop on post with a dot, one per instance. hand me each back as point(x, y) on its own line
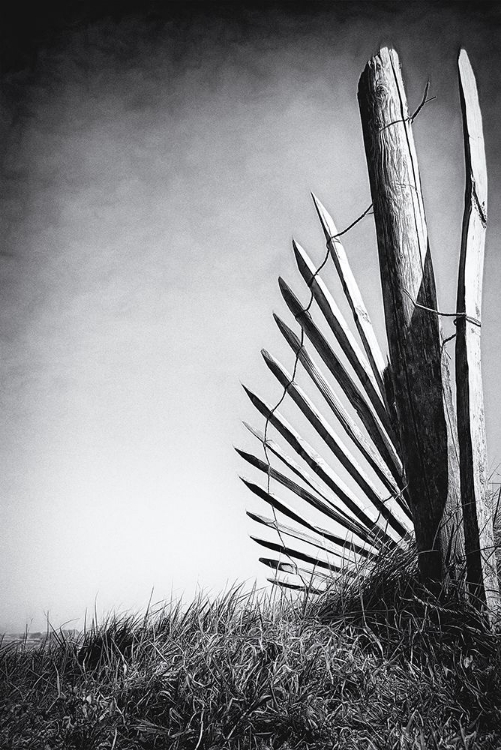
point(456, 315)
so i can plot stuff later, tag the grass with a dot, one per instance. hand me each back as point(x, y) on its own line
point(379, 664)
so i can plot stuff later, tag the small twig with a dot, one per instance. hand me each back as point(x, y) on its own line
point(444, 342)
point(412, 117)
point(340, 234)
point(424, 101)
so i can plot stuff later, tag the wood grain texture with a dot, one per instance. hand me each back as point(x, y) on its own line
point(478, 515)
point(414, 335)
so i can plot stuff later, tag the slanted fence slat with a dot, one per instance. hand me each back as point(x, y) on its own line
point(352, 293)
point(340, 329)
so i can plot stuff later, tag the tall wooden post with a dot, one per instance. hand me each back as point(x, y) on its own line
point(482, 575)
point(422, 399)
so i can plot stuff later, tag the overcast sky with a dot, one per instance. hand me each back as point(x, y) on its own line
point(155, 169)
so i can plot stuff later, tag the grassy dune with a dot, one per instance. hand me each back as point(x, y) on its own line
point(381, 664)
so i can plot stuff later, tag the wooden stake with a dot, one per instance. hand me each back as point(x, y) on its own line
point(413, 333)
point(482, 575)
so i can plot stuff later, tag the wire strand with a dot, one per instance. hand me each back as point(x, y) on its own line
point(456, 315)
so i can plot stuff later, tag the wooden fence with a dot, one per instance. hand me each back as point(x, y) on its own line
point(417, 472)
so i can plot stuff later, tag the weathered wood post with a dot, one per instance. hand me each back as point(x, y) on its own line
point(482, 576)
point(421, 382)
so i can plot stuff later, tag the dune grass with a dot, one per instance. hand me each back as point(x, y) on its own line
point(376, 664)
